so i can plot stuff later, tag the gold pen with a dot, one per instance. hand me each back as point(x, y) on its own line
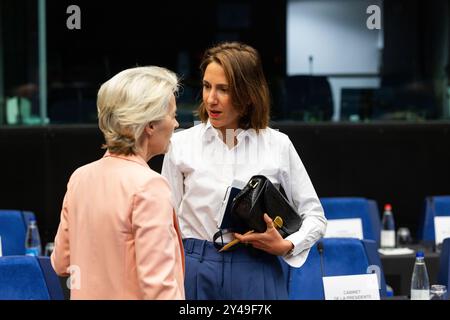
point(278, 222)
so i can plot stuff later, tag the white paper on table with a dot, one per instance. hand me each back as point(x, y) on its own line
point(353, 287)
point(344, 228)
point(441, 228)
point(395, 251)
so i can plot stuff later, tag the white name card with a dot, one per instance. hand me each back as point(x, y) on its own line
point(344, 228)
point(441, 228)
point(1, 252)
point(354, 287)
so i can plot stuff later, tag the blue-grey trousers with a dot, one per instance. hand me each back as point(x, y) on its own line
point(243, 274)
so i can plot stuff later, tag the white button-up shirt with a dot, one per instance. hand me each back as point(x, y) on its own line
point(200, 167)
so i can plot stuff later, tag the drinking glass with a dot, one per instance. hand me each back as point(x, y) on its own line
point(403, 237)
point(438, 292)
point(49, 249)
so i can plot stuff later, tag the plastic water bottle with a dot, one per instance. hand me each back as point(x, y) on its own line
point(388, 228)
point(33, 241)
point(420, 283)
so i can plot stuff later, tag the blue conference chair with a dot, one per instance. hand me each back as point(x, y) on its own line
point(340, 257)
point(434, 206)
point(355, 207)
point(28, 278)
point(444, 264)
point(13, 228)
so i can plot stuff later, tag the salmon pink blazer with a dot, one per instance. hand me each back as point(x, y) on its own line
point(118, 237)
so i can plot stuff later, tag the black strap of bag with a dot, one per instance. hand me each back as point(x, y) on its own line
point(220, 234)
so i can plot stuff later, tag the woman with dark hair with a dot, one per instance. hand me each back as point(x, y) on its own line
point(232, 144)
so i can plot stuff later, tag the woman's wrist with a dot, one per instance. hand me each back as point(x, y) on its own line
point(289, 248)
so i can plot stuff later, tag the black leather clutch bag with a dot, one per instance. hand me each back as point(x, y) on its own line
point(260, 196)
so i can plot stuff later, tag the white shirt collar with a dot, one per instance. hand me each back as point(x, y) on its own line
point(209, 133)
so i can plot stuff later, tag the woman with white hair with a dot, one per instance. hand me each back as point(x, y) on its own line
point(118, 237)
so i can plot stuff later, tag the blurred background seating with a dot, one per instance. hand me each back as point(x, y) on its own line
point(13, 228)
point(28, 278)
point(339, 257)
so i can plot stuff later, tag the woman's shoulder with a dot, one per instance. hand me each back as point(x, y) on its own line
point(84, 169)
point(154, 178)
point(275, 135)
point(148, 180)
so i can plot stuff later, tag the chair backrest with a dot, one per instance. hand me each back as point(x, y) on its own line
point(434, 206)
point(13, 228)
point(51, 279)
point(28, 278)
point(340, 257)
point(355, 207)
point(444, 264)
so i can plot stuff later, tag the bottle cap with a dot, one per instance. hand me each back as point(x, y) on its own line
point(419, 254)
point(387, 207)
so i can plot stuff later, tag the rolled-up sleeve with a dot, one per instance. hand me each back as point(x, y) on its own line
point(304, 198)
point(158, 252)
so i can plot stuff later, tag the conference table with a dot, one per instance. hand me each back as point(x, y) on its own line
point(398, 269)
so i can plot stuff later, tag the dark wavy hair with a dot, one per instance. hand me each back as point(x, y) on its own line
point(248, 86)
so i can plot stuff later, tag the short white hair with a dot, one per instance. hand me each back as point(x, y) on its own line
point(129, 101)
